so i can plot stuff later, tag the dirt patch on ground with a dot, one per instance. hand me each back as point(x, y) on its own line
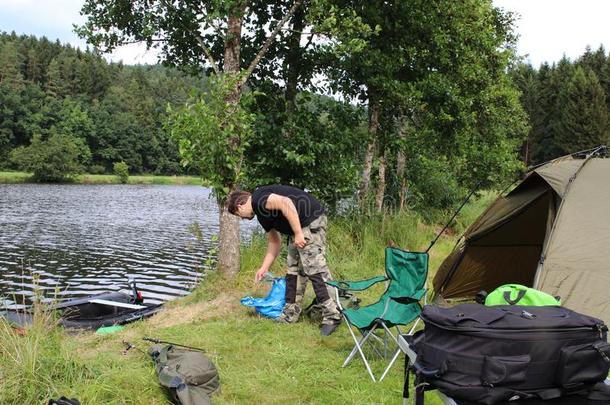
point(224, 304)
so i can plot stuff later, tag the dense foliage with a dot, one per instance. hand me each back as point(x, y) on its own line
point(55, 159)
point(114, 112)
point(121, 171)
point(568, 104)
point(401, 104)
point(204, 129)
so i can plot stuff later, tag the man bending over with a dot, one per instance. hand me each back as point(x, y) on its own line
point(289, 211)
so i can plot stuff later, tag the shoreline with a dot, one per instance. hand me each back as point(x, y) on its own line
point(259, 361)
point(24, 178)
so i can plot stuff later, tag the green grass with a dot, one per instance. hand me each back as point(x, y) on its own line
point(259, 361)
point(21, 177)
point(14, 177)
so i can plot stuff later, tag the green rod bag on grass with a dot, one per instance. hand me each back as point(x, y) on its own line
point(190, 375)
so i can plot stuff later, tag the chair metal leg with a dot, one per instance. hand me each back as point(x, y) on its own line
point(396, 354)
point(362, 341)
point(380, 340)
point(413, 327)
point(366, 363)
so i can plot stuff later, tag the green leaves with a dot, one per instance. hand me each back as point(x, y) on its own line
point(212, 130)
point(121, 171)
point(52, 160)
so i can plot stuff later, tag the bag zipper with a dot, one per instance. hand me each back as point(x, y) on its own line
point(596, 327)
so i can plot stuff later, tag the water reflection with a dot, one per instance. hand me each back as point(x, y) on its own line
point(83, 239)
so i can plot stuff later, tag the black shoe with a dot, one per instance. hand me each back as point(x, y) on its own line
point(329, 328)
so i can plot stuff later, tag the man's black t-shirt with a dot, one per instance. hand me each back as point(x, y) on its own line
point(307, 207)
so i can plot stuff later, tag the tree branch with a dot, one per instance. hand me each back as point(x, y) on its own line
point(199, 40)
point(206, 51)
point(268, 42)
point(309, 41)
point(139, 41)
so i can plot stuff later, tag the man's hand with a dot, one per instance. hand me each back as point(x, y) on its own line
point(259, 274)
point(299, 240)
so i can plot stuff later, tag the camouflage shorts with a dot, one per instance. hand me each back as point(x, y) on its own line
point(311, 259)
point(307, 262)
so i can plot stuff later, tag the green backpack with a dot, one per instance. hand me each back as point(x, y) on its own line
point(190, 375)
point(516, 294)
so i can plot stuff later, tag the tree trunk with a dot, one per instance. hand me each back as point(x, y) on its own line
point(228, 246)
point(293, 59)
point(228, 249)
point(381, 183)
point(365, 185)
point(400, 165)
point(231, 62)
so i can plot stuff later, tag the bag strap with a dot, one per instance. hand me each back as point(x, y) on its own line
point(420, 387)
point(405, 387)
point(520, 295)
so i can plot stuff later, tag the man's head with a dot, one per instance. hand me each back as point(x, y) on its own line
point(240, 203)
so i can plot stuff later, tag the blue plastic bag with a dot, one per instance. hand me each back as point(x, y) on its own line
point(273, 304)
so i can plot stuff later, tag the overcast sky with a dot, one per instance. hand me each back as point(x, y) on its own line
point(547, 29)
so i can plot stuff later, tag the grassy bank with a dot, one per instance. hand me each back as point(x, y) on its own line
point(260, 362)
point(21, 177)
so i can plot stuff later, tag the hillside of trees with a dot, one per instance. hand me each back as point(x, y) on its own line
point(568, 105)
point(109, 111)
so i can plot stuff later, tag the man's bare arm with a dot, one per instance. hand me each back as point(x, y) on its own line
point(286, 206)
point(274, 245)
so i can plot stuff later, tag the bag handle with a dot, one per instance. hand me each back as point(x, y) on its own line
point(520, 295)
point(428, 373)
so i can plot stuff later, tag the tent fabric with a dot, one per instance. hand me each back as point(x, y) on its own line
point(559, 172)
point(560, 210)
point(577, 262)
point(508, 253)
point(488, 230)
point(505, 208)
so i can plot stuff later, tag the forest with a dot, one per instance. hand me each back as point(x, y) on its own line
point(54, 92)
point(401, 121)
point(567, 103)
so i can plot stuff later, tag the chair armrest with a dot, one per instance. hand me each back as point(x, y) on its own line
point(356, 285)
point(415, 297)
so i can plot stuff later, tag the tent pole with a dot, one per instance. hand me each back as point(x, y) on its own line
point(592, 150)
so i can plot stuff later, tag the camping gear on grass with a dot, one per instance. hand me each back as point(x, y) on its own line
point(492, 354)
point(406, 274)
point(550, 232)
point(516, 294)
point(92, 312)
point(106, 330)
point(273, 304)
point(189, 374)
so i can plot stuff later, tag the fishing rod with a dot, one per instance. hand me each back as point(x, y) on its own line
point(153, 340)
point(438, 235)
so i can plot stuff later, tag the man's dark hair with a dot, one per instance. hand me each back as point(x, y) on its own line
point(237, 198)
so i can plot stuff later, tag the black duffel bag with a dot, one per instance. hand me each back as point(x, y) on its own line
point(494, 354)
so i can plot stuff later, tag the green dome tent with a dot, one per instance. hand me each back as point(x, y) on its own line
point(551, 232)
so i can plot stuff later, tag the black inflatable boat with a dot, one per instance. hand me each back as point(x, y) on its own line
point(94, 311)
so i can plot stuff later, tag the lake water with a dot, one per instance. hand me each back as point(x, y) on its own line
point(76, 240)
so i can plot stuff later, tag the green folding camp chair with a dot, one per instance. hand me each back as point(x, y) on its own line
point(406, 274)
